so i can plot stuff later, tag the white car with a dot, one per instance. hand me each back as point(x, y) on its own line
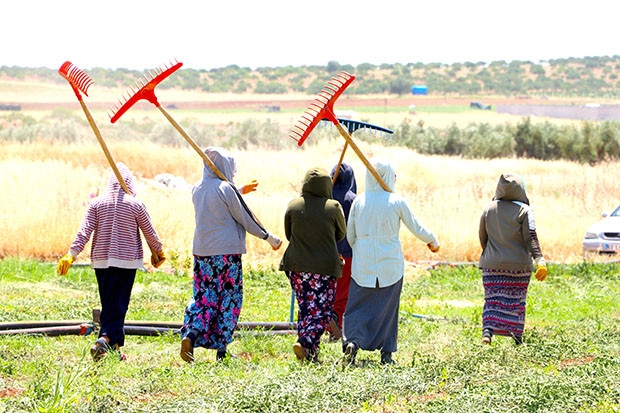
point(604, 236)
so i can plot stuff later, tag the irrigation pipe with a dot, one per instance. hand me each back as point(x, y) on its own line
point(67, 327)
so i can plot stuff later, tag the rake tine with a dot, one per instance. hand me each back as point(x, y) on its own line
point(80, 81)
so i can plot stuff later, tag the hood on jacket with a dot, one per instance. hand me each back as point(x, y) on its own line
point(385, 171)
point(317, 182)
point(115, 186)
point(511, 187)
point(345, 181)
point(223, 160)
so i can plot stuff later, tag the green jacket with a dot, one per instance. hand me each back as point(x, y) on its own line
point(507, 229)
point(313, 224)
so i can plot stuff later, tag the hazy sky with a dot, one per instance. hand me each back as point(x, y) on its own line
point(138, 34)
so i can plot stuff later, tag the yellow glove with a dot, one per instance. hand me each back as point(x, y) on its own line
point(251, 187)
point(64, 263)
point(157, 258)
point(541, 272)
point(433, 246)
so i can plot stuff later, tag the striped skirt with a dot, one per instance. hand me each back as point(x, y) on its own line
point(505, 295)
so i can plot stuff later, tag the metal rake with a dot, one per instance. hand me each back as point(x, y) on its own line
point(80, 82)
point(323, 107)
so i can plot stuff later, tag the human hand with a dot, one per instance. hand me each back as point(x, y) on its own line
point(251, 187)
point(274, 241)
point(157, 258)
point(64, 263)
point(541, 269)
point(433, 246)
point(541, 272)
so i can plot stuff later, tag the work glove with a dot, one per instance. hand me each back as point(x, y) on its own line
point(64, 263)
point(541, 269)
point(433, 246)
point(251, 187)
point(157, 258)
point(274, 241)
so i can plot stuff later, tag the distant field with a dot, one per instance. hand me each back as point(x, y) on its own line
point(38, 99)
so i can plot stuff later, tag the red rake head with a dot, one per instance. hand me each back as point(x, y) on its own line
point(145, 89)
point(79, 80)
point(321, 107)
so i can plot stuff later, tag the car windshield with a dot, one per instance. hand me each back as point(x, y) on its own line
point(616, 212)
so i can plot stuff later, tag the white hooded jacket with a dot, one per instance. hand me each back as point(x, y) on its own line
point(373, 231)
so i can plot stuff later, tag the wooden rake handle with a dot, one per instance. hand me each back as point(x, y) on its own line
point(352, 126)
point(349, 140)
point(208, 161)
point(107, 153)
point(337, 170)
point(193, 144)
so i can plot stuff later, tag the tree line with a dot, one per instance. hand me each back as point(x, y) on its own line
point(594, 76)
point(589, 142)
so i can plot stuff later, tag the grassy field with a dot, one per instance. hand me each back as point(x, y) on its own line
point(570, 361)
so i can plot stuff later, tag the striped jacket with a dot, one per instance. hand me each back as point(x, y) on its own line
point(114, 220)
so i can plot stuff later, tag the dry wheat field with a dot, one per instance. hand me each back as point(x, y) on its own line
point(46, 188)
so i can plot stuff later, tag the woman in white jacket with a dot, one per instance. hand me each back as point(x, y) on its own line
point(371, 316)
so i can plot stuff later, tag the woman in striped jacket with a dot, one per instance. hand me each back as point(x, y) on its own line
point(114, 220)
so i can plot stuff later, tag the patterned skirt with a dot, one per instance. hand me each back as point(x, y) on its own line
point(505, 294)
point(315, 294)
point(213, 312)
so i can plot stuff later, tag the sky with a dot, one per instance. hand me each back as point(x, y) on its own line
point(204, 34)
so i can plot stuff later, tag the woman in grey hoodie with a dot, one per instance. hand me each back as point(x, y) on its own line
point(222, 220)
point(510, 251)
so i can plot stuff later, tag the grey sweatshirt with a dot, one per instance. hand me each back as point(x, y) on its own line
point(221, 218)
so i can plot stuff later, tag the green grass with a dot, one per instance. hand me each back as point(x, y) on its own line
point(571, 360)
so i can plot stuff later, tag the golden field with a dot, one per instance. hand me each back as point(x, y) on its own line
point(46, 188)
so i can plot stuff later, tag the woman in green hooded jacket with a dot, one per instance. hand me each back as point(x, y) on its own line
point(313, 224)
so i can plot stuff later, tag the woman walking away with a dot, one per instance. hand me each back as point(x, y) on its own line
point(313, 224)
point(510, 251)
point(114, 220)
point(344, 191)
point(222, 220)
point(371, 315)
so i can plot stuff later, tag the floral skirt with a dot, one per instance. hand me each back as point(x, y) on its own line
point(505, 294)
point(315, 295)
point(213, 312)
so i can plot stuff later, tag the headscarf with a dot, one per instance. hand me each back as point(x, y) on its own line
point(113, 186)
point(511, 187)
point(385, 171)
